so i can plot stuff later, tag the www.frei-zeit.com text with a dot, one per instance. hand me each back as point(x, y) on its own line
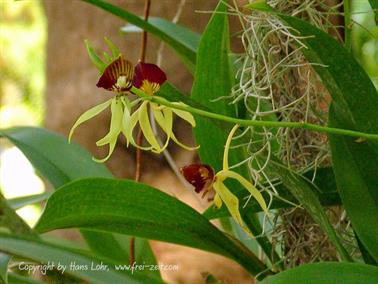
point(32, 268)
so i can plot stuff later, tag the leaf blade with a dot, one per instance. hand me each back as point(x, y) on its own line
point(327, 273)
point(131, 208)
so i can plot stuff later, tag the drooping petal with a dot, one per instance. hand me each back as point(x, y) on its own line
point(232, 203)
point(112, 144)
point(165, 121)
point(145, 125)
point(248, 186)
point(187, 116)
point(88, 115)
point(217, 201)
point(173, 137)
point(201, 176)
point(114, 131)
point(148, 72)
point(115, 123)
point(128, 125)
point(117, 76)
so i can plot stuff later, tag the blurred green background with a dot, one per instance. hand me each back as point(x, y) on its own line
point(365, 38)
point(23, 31)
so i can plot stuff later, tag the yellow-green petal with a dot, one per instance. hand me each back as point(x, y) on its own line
point(129, 123)
point(88, 115)
point(112, 144)
point(114, 131)
point(227, 146)
point(145, 125)
point(173, 137)
point(187, 116)
point(165, 121)
point(217, 201)
point(248, 186)
point(232, 203)
point(115, 123)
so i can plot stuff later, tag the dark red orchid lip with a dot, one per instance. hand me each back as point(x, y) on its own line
point(201, 176)
point(148, 72)
point(109, 80)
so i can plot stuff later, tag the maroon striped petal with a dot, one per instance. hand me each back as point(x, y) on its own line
point(118, 76)
point(150, 73)
point(201, 176)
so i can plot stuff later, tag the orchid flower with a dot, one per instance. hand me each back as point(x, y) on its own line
point(119, 76)
point(202, 177)
point(148, 79)
point(116, 77)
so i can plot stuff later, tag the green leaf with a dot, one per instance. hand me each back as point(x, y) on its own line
point(260, 5)
point(186, 53)
point(181, 34)
point(60, 163)
point(308, 199)
point(4, 260)
point(131, 208)
point(374, 6)
point(356, 167)
point(44, 252)
point(10, 220)
point(18, 279)
point(213, 80)
point(326, 273)
point(19, 202)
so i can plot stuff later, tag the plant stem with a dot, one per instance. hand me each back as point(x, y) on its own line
point(347, 25)
point(259, 123)
point(142, 57)
point(138, 155)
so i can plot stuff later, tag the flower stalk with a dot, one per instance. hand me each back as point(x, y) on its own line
point(257, 123)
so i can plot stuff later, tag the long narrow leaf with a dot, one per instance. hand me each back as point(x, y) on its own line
point(131, 208)
point(356, 174)
point(19, 202)
point(327, 273)
point(179, 33)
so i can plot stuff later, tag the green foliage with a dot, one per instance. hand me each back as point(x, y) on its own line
point(356, 165)
point(22, 40)
point(135, 209)
point(327, 273)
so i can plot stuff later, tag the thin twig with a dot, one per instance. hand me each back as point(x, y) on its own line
point(138, 155)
